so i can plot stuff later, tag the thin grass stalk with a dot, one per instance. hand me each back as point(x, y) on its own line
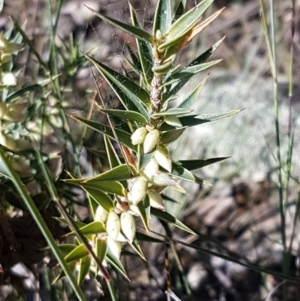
point(290, 98)
point(271, 46)
point(181, 270)
point(56, 199)
point(290, 132)
point(20, 187)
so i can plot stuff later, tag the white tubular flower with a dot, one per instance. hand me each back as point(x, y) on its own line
point(138, 190)
point(151, 169)
point(162, 157)
point(9, 79)
point(138, 136)
point(128, 225)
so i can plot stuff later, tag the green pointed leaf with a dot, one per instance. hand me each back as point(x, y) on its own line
point(197, 61)
point(126, 114)
point(193, 120)
point(162, 17)
point(101, 248)
point(173, 112)
point(66, 248)
point(189, 101)
point(116, 263)
point(195, 164)
point(93, 187)
point(118, 173)
point(93, 205)
point(107, 186)
point(100, 197)
point(206, 54)
point(136, 64)
point(144, 51)
point(184, 24)
point(79, 252)
point(123, 136)
point(123, 86)
point(84, 267)
point(191, 70)
point(94, 227)
point(170, 136)
point(112, 156)
point(184, 174)
point(136, 247)
point(132, 30)
point(171, 219)
point(144, 208)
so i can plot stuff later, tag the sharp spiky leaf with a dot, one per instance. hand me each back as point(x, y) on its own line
point(132, 30)
point(111, 153)
point(173, 112)
point(116, 263)
point(171, 219)
point(184, 174)
point(123, 136)
point(101, 248)
point(118, 173)
point(193, 120)
point(144, 52)
point(189, 101)
point(84, 267)
point(184, 24)
point(197, 61)
point(138, 97)
point(170, 136)
point(79, 252)
point(162, 18)
point(144, 208)
point(195, 164)
point(126, 114)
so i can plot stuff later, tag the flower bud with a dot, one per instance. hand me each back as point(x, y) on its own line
point(128, 225)
point(100, 214)
point(151, 141)
point(151, 169)
point(138, 136)
point(156, 200)
point(114, 246)
point(113, 225)
point(9, 79)
point(163, 158)
point(138, 190)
